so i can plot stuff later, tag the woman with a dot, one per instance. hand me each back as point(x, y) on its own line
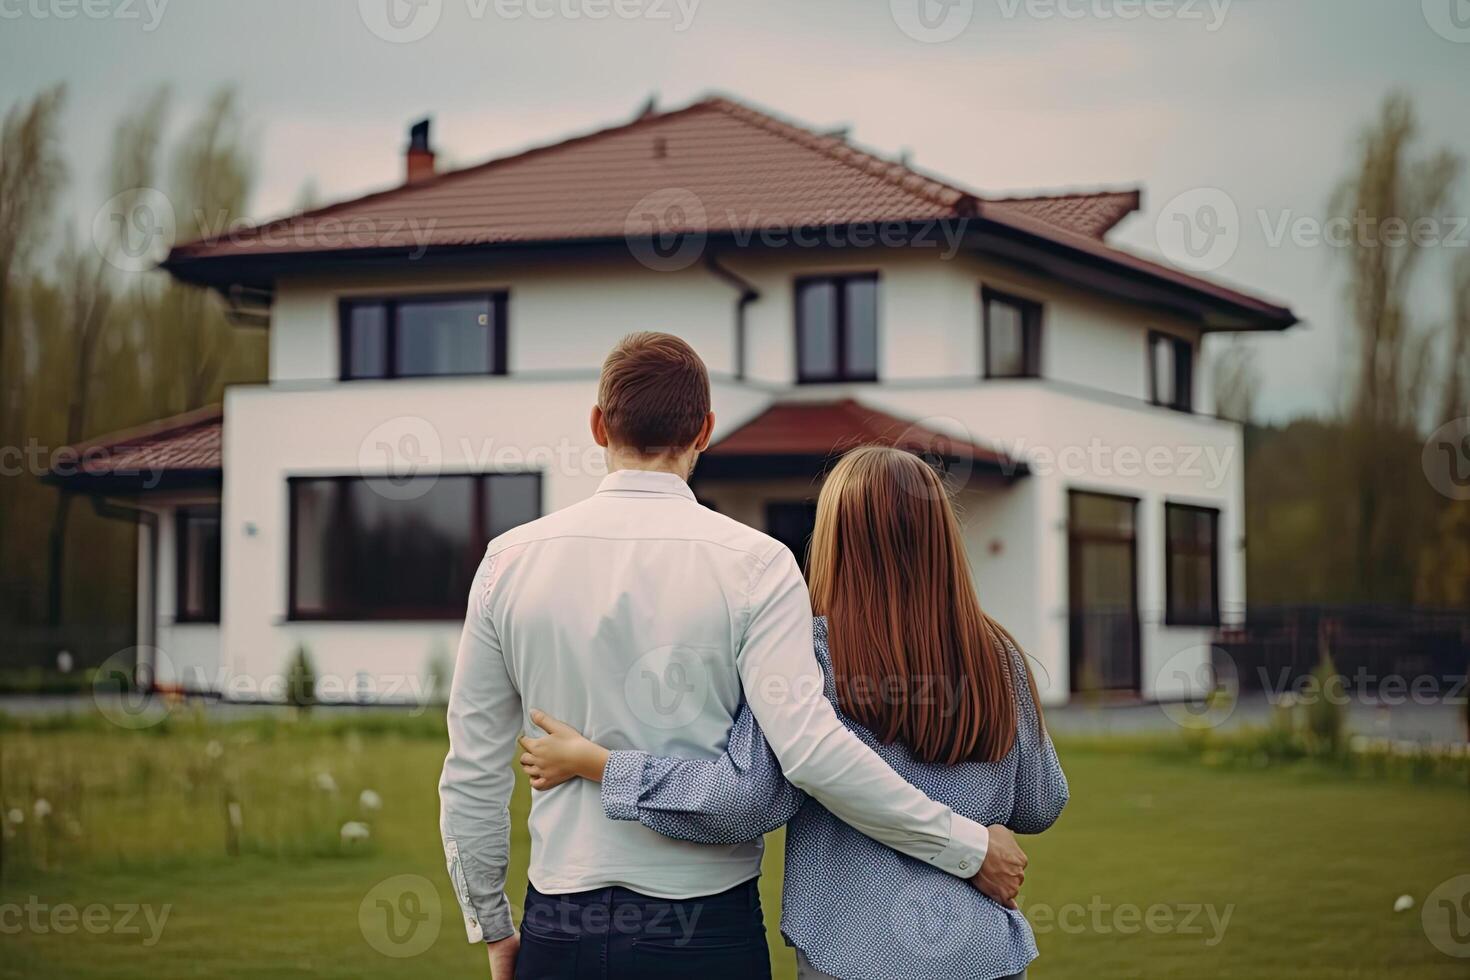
point(930, 682)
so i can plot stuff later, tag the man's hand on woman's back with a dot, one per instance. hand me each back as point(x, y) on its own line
point(1004, 868)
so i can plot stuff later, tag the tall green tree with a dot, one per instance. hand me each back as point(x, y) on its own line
point(1390, 188)
point(32, 174)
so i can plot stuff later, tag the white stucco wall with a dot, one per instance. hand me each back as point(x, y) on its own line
point(565, 312)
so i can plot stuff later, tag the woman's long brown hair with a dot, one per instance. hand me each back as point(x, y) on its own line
point(915, 658)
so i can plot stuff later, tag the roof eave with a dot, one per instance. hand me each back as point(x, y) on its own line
point(1087, 263)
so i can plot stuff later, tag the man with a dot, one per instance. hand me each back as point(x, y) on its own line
point(642, 618)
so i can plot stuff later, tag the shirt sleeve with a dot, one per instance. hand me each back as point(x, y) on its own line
point(738, 797)
point(1041, 785)
point(475, 787)
point(818, 754)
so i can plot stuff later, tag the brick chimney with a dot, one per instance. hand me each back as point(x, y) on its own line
point(419, 160)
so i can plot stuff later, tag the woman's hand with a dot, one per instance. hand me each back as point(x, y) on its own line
point(562, 754)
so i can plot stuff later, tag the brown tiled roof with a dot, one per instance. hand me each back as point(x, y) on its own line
point(815, 430)
point(745, 169)
point(187, 445)
point(1094, 213)
point(727, 167)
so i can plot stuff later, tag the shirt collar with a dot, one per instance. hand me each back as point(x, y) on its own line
point(645, 481)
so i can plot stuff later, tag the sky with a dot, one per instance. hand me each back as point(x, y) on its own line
point(1238, 115)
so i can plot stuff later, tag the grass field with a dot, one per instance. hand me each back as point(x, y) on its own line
point(1161, 867)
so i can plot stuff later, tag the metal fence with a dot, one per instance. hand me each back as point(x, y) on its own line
point(1371, 646)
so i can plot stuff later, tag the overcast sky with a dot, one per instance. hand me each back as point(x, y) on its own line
point(1259, 99)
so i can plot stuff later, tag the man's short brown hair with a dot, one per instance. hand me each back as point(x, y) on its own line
point(654, 393)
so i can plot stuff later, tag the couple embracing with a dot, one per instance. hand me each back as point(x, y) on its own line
point(656, 670)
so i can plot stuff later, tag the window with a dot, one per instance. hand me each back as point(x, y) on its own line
point(1102, 556)
point(196, 534)
point(368, 549)
point(1012, 336)
point(1171, 371)
point(1191, 565)
point(837, 328)
point(792, 522)
point(423, 336)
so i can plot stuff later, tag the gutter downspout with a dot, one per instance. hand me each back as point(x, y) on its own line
point(148, 633)
point(748, 294)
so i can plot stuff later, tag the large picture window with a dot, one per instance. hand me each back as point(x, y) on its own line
point(1192, 565)
point(1171, 371)
point(372, 549)
point(1012, 336)
point(423, 336)
point(837, 328)
point(196, 534)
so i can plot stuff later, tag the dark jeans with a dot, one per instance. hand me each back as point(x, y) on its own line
point(615, 933)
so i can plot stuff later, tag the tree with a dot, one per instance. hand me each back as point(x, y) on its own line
point(1455, 400)
point(1381, 200)
point(1235, 381)
point(32, 174)
point(87, 303)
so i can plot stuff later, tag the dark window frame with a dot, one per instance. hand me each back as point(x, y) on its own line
point(499, 342)
point(1183, 371)
point(452, 611)
point(1078, 536)
point(839, 280)
point(183, 567)
point(1032, 314)
point(1172, 616)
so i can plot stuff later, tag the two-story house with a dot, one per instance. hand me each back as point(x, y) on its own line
point(434, 354)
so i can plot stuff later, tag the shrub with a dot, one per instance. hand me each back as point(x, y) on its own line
point(1326, 715)
point(301, 679)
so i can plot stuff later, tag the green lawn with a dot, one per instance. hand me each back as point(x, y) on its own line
point(1306, 864)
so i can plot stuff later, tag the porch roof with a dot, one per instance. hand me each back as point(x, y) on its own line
point(182, 451)
point(798, 437)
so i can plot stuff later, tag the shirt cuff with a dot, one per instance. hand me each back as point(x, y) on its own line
point(486, 920)
point(622, 781)
point(965, 852)
point(491, 928)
